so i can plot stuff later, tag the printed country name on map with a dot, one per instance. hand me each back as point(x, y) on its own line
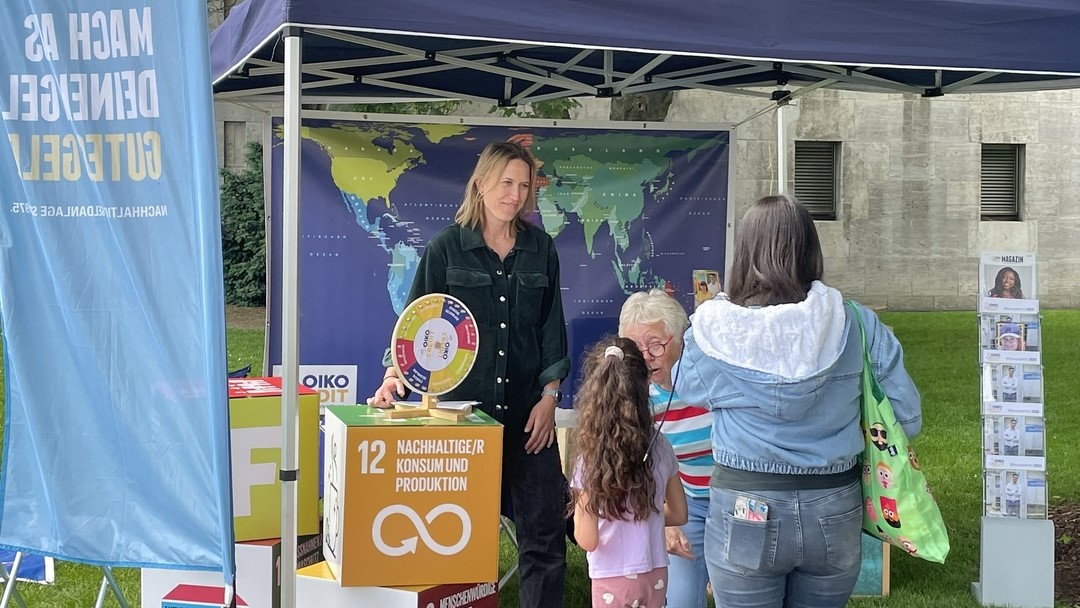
point(134, 211)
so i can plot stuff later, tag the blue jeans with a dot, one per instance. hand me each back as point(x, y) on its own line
point(807, 554)
point(687, 577)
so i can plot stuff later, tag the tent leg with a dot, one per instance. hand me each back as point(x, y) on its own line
point(290, 349)
point(101, 593)
point(9, 589)
point(108, 581)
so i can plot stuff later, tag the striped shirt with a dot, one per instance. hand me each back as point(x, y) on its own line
point(688, 429)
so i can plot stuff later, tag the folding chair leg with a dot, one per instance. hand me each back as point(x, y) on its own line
point(9, 588)
point(108, 581)
point(504, 525)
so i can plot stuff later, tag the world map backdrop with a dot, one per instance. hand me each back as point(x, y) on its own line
point(628, 209)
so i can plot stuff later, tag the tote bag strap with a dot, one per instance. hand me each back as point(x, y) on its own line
point(869, 380)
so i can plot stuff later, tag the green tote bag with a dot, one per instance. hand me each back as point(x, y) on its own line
point(897, 505)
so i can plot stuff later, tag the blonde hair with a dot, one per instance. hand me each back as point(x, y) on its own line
point(491, 164)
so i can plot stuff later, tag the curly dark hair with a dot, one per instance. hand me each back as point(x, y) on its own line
point(999, 290)
point(613, 432)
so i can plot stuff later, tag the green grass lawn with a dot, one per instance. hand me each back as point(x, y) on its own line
point(941, 353)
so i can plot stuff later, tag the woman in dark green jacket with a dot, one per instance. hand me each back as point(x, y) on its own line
point(506, 271)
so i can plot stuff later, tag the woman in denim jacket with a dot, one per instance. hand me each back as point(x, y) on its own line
point(777, 359)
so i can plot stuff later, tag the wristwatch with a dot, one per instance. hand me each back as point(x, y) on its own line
point(556, 394)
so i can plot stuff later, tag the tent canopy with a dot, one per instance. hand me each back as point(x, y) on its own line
point(508, 53)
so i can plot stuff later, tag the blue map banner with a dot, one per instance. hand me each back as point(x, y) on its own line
point(629, 210)
point(116, 428)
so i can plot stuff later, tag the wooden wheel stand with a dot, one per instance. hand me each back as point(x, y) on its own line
point(428, 407)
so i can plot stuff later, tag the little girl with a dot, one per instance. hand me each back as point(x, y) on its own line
point(626, 485)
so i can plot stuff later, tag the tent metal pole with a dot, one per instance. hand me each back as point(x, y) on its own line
point(781, 150)
point(290, 314)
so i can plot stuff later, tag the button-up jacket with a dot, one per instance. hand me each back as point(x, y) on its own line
point(517, 304)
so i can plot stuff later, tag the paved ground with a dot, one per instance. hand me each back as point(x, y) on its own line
point(237, 317)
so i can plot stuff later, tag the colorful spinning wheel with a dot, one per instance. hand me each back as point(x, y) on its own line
point(434, 344)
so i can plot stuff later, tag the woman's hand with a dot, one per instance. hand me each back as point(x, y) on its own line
point(391, 389)
point(676, 542)
point(542, 425)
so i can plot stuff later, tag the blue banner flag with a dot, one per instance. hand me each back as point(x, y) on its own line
point(116, 431)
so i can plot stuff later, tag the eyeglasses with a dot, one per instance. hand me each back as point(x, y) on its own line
point(656, 349)
point(878, 433)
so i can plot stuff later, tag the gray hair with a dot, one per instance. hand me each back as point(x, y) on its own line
point(653, 306)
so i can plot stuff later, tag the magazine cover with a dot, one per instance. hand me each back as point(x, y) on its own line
point(706, 285)
point(1010, 338)
point(1015, 493)
point(1010, 385)
point(1014, 436)
point(1007, 282)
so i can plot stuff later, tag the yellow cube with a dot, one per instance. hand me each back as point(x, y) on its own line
point(255, 434)
point(411, 502)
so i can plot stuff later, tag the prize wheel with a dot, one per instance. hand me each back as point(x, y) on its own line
point(434, 344)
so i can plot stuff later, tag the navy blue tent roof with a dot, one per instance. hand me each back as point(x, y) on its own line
point(510, 52)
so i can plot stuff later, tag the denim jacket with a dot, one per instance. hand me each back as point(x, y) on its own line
point(784, 382)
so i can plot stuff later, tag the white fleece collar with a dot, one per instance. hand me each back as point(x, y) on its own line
point(793, 341)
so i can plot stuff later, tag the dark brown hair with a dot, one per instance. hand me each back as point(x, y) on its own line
point(614, 428)
point(777, 254)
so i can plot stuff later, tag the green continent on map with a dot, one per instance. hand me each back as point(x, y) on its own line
point(366, 163)
point(437, 133)
point(605, 179)
point(361, 167)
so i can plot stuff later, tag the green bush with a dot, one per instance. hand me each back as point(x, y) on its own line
point(243, 232)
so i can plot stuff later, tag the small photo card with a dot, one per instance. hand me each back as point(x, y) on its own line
point(707, 284)
point(1015, 493)
point(1014, 436)
point(1012, 383)
point(1010, 338)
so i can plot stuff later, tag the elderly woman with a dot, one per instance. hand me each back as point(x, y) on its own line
point(778, 360)
point(656, 322)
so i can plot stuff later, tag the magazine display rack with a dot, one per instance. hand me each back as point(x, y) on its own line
point(1016, 565)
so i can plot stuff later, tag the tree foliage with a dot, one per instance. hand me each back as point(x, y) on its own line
point(243, 231)
point(552, 108)
point(441, 107)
